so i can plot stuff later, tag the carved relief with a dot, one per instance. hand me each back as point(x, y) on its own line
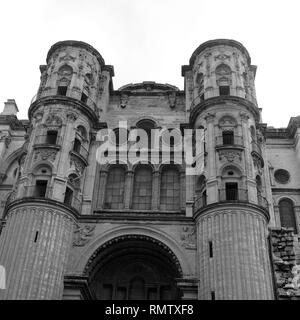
point(227, 121)
point(222, 56)
point(67, 57)
point(71, 116)
point(230, 156)
point(53, 120)
point(45, 155)
point(123, 100)
point(83, 234)
point(172, 99)
point(79, 166)
point(188, 237)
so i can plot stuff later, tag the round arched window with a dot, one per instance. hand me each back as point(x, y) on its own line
point(282, 176)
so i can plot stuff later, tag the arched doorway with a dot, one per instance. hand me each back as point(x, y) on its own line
point(134, 267)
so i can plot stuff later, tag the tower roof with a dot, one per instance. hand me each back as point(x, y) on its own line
point(75, 43)
point(218, 42)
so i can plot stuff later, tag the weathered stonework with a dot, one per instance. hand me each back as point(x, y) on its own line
point(71, 228)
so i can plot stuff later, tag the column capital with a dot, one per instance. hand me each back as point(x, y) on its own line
point(209, 117)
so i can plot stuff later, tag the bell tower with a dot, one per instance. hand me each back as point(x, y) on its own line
point(230, 208)
point(41, 214)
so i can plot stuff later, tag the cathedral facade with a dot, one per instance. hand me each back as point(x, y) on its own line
point(148, 223)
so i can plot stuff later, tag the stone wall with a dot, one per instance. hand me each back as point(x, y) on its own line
point(286, 263)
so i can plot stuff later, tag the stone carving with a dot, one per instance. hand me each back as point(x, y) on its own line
point(172, 99)
point(46, 154)
point(6, 138)
point(67, 57)
point(38, 116)
point(188, 237)
point(123, 100)
point(227, 121)
point(209, 116)
point(223, 70)
point(230, 156)
point(53, 120)
point(72, 116)
point(79, 166)
point(83, 234)
point(257, 163)
point(222, 56)
point(244, 116)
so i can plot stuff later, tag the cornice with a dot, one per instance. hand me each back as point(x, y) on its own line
point(32, 201)
point(75, 103)
point(219, 42)
point(209, 209)
point(75, 43)
point(221, 100)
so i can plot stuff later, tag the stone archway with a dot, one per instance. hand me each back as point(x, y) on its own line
point(133, 267)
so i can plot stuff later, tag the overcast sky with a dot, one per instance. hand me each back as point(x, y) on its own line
point(150, 40)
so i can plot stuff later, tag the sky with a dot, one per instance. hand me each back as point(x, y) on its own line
point(150, 41)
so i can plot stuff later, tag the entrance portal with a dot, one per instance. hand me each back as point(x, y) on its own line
point(134, 268)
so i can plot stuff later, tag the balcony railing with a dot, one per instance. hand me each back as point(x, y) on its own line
point(232, 196)
point(46, 139)
point(35, 192)
point(236, 140)
point(81, 150)
point(71, 93)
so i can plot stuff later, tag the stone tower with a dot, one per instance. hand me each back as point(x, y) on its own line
point(41, 213)
point(230, 210)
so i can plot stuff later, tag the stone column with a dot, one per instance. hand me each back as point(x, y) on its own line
point(250, 180)
point(234, 254)
point(155, 190)
point(212, 190)
point(182, 190)
point(34, 249)
point(128, 188)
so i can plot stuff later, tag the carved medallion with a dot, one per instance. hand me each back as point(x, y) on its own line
point(83, 234)
point(188, 237)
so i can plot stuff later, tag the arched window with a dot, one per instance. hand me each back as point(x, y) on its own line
point(142, 188)
point(287, 215)
point(65, 74)
point(170, 189)
point(223, 77)
point(147, 125)
point(42, 176)
point(114, 198)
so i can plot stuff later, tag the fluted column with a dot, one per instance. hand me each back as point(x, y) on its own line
point(233, 254)
point(34, 248)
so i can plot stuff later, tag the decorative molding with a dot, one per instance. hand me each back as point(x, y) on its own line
point(45, 154)
point(53, 120)
point(230, 156)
